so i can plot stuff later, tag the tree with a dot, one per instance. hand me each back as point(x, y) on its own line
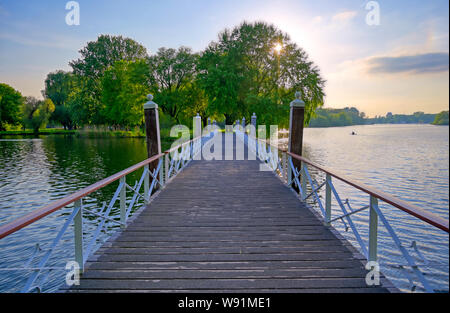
point(36, 113)
point(243, 73)
point(10, 102)
point(441, 118)
point(58, 86)
point(124, 89)
point(96, 58)
point(172, 78)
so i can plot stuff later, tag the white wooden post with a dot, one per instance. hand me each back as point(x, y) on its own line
point(78, 232)
point(328, 199)
point(123, 199)
point(373, 229)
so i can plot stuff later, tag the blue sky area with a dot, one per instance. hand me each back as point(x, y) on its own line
point(400, 65)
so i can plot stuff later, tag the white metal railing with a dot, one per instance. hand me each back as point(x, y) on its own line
point(282, 164)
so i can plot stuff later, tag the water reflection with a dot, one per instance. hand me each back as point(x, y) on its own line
point(37, 171)
point(408, 161)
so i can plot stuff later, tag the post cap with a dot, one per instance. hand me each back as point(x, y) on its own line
point(198, 116)
point(254, 114)
point(150, 104)
point(298, 102)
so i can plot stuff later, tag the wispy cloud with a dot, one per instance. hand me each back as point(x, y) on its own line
point(416, 64)
point(344, 16)
point(48, 41)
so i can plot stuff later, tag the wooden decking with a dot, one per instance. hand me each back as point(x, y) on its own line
point(225, 226)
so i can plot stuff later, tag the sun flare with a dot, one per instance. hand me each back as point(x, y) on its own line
point(278, 47)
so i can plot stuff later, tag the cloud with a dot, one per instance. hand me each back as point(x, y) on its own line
point(417, 64)
point(344, 16)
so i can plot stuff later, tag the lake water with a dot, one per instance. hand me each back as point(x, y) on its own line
point(409, 161)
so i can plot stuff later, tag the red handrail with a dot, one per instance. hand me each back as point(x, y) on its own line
point(37, 214)
point(407, 207)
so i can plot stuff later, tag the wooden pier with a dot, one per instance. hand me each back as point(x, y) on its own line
point(226, 226)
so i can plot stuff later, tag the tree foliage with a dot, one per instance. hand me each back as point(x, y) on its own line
point(10, 103)
point(95, 59)
point(239, 74)
point(58, 86)
point(124, 89)
point(243, 73)
point(441, 118)
point(173, 75)
point(36, 113)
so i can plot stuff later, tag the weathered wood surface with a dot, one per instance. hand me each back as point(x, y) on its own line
point(225, 226)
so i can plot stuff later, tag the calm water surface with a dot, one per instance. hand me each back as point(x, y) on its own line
point(409, 161)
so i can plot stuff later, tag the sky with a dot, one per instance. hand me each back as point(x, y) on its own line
point(399, 66)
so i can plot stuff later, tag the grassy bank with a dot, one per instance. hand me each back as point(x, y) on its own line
point(79, 133)
point(166, 140)
point(47, 131)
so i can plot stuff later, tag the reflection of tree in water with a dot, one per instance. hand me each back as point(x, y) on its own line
point(79, 162)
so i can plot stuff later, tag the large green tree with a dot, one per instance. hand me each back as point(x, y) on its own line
point(10, 103)
point(255, 67)
point(124, 89)
point(36, 113)
point(95, 59)
point(58, 86)
point(173, 82)
point(441, 118)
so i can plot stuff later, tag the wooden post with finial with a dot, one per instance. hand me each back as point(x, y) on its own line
point(152, 130)
point(296, 121)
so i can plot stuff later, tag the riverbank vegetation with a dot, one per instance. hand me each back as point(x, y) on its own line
point(441, 118)
point(325, 117)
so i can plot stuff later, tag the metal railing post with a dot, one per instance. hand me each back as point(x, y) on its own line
point(123, 199)
point(303, 181)
point(328, 200)
point(78, 232)
point(373, 229)
point(166, 166)
point(146, 184)
point(289, 172)
point(161, 173)
point(284, 162)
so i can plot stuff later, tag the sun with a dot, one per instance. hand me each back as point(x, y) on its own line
point(278, 47)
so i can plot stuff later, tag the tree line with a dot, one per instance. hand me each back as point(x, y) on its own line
point(239, 74)
point(326, 117)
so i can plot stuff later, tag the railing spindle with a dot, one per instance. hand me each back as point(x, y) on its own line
point(146, 184)
point(328, 199)
point(373, 229)
point(78, 232)
point(123, 199)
